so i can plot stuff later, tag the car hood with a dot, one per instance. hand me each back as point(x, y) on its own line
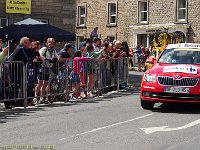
point(171, 69)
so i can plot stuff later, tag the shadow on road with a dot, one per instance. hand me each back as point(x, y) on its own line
point(135, 82)
point(178, 108)
point(133, 88)
point(55, 104)
point(6, 115)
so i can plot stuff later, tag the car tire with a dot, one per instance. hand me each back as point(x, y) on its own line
point(147, 104)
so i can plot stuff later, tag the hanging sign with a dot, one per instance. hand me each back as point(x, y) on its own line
point(18, 6)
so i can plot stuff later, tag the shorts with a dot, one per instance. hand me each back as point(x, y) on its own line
point(74, 78)
point(84, 68)
point(43, 76)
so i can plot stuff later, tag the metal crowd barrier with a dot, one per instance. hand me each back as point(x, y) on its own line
point(134, 59)
point(12, 82)
point(18, 81)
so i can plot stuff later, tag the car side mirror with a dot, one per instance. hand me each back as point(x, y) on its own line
point(150, 60)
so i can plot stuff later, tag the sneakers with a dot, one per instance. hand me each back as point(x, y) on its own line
point(82, 85)
point(41, 101)
point(82, 95)
point(90, 95)
point(35, 100)
point(46, 101)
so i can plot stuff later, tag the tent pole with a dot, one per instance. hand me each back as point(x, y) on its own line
point(8, 48)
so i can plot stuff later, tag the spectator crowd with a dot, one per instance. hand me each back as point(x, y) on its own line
point(84, 72)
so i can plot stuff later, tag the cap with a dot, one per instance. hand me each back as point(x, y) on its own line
point(96, 39)
point(67, 46)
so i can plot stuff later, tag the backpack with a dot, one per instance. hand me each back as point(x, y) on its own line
point(10, 57)
point(46, 52)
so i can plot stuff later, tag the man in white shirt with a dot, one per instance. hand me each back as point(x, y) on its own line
point(49, 56)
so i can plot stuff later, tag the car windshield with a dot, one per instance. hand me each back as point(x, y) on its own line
point(180, 56)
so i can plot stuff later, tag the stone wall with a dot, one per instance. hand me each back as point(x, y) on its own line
point(165, 12)
point(194, 20)
point(160, 12)
point(60, 13)
point(97, 17)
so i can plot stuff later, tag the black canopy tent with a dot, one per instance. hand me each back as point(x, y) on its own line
point(35, 30)
point(38, 32)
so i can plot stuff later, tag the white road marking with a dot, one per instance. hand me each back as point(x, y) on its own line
point(115, 124)
point(62, 139)
point(165, 128)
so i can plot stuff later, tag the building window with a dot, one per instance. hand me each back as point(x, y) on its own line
point(3, 22)
point(181, 10)
point(142, 39)
point(43, 20)
point(81, 20)
point(112, 13)
point(79, 40)
point(111, 38)
point(143, 11)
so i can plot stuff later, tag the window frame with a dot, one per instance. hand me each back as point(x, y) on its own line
point(79, 16)
point(43, 20)
point(140, 21)
point(178, 12)
point(80, 38)
point(111, 38)
point(1, 21)
point(109, 13)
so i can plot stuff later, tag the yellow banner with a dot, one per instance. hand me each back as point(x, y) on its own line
point(18, 6)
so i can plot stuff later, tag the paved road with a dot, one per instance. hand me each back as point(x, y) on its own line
point(116, 122)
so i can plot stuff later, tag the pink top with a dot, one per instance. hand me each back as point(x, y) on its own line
point(77, 64)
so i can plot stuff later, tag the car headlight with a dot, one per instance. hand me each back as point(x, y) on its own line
point(149, 77)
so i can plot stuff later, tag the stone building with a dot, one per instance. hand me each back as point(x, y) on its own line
point(136, 20)
point(127, 20)
point(59, 13)
point(109, 16)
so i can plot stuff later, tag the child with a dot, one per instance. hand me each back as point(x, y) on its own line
point(92, 67)
point(83, 71)
point(75, 74)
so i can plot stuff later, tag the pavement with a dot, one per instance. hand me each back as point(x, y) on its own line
point(113, 122)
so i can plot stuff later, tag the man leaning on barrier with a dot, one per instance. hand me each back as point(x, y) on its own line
point(49, 56)
point(64, 53)
point(24, 54)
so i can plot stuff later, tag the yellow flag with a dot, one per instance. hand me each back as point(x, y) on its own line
point(18, 6)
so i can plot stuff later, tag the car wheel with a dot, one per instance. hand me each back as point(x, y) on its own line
point(147, 104)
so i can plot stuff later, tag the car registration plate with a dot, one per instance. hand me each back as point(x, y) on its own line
point(176, 89)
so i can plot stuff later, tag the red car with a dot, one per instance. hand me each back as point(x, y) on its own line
point(174, 78)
